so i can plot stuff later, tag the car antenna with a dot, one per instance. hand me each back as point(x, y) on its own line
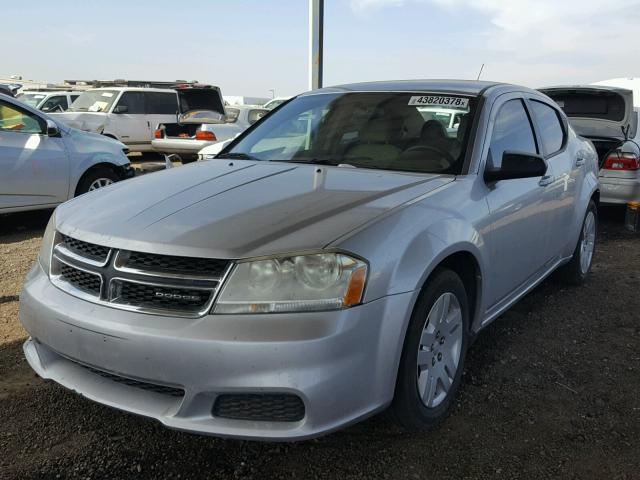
point(480, 72)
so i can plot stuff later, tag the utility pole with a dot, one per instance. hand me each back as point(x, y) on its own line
point(316, 33)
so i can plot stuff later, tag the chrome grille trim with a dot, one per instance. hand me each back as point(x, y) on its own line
point(112, 274)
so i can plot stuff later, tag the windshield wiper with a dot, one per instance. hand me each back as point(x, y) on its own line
point(237, 156)
point(314, 161)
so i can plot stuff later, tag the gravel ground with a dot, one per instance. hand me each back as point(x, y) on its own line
point(552, 390)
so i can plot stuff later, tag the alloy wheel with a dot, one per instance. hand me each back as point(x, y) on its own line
point(587, 245)
point(439, 350)
point(99, 183)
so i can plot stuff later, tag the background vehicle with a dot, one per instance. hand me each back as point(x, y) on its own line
point(187, 139)
point(49, 102)
point(284, 292)
point(44, 163)
point(274, 102)
point(239, 100)
point(606, 116)
point(127, 114)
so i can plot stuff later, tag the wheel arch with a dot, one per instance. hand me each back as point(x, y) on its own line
point(96, 166)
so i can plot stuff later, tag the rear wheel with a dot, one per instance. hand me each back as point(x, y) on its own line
point(433, 355)
point(577, 270)
point(96, 178)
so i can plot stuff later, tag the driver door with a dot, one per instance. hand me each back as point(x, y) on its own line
point(520, 209)
point(34, 168)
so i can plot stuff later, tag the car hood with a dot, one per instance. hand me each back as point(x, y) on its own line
point(239, 209)
point(87, 121)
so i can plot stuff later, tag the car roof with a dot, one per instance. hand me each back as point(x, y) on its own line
point(467, 87)
point(53, 92)
point(135, 89)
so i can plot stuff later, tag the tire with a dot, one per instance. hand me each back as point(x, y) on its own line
point(102, 176)
point(577, 270)
point(438, 348)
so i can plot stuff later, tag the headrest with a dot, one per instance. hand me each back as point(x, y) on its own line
point(433, 130)
point(462, 127)
point(379, 130)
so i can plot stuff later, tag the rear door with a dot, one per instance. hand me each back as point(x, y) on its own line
point(131, 125)
point(162, 107)
point(568, 169)
point(34, 168)
point(520, 223)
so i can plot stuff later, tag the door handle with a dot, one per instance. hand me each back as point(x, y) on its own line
point(580, 161)
point(545, 180)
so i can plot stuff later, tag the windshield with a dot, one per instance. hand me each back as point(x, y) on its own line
point(31, 99)
point(94, 101)
point(367, 130)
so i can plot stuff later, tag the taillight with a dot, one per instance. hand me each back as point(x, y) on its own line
point(159, 133)
point(622, 161)
point(203, 135)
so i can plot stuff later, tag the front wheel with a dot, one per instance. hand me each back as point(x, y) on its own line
point(577, 270)
point(433, 354)
point(95, 179)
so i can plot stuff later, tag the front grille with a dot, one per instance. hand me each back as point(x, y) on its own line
point(266, 407)
point(150, 387)
point(158, 297)
point(88, 250)
point(177, 265)
point(143, 282)
point(87, 282)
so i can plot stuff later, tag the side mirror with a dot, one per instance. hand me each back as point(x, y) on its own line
point(516, 165)
point(52, 129)
point(121, 109)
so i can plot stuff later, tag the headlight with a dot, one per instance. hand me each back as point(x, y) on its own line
point(301, 283)
point(44, 257)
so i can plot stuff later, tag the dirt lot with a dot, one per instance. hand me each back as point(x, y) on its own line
point(552, 390)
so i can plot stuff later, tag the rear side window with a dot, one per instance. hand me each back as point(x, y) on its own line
point(55, 103)
point(134, 101)
point(550, 126)
point(161, 103)
point(512, 132)
point(255, 115)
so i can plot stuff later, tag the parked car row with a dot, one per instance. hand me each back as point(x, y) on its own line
point(334, 261)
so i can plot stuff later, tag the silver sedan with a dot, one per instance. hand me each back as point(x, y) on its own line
point(333, 261)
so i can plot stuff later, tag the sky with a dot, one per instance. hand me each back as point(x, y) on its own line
point(248, 47)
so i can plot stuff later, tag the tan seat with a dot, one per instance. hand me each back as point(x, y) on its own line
point(374, 148)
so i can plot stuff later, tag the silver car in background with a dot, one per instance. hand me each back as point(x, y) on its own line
point(606, 116)
point(334, 260)
point(44, 163)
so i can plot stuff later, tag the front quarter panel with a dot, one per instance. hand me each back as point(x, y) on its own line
point(405, 246)
point(86, 150)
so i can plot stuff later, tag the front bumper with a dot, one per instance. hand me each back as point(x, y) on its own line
point(619, 191)
point(342, 364)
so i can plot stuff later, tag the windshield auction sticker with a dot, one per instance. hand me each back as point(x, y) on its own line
point(439, 101)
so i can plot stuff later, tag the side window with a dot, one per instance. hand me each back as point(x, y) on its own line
point(512, 131)
point(161, 103)
point(550, 126)
point(255, 115)
point(73, 98)
point(13, 119)
point(134, 101)
point(57, 103)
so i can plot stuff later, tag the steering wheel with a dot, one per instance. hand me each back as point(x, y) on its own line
point(426, 148)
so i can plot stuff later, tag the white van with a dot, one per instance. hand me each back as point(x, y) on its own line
point(127, 114)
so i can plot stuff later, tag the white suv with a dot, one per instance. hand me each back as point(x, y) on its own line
point(129, 114)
